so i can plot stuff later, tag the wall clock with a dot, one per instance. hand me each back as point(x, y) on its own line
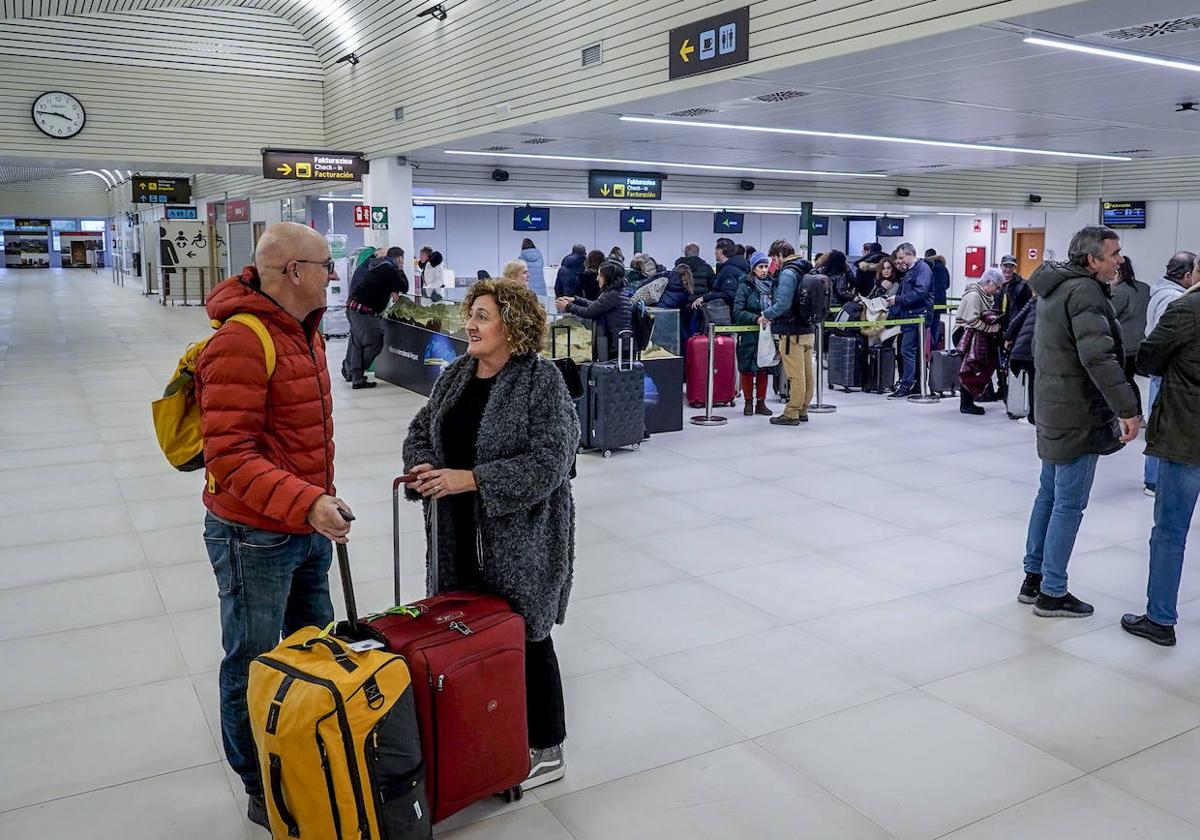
point(59, 115)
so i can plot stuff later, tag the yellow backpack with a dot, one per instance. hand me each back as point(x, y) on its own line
point(177, 414)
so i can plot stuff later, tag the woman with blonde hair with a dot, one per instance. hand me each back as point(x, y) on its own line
point(517, 271)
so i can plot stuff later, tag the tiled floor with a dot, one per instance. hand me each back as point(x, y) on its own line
point(776, 633)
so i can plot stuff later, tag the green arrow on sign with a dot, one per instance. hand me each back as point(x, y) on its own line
point(725, 222)
point(633, 220)
point(528, 220)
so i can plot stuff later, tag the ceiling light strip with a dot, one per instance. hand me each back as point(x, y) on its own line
point(706, 167)
point(616, 205)
point(876, 138)
point(1123, 55)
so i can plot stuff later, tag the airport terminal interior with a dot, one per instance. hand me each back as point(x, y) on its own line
point(774, 630)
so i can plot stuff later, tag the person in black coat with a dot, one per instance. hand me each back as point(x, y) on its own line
point(566, 283)
point(589, 285)
point(612, 311)
point(1018, 338)
point(702, 272)
point(731, 271)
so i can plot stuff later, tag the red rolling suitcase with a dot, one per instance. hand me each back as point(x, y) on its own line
point(466, 652)
point(724, 373)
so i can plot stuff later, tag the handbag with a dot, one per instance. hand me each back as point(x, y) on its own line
point(717, 312)
point(768, 353)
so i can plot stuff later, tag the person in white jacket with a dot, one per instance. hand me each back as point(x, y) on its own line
point(1180, 275)
point(434, 277)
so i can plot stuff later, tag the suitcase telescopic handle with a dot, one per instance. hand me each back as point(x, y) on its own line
point(624, 336)
point(397, 490)
point(347, 583)
point(554, 330)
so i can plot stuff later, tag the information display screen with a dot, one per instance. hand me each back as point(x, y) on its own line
point(635, 221)
point(820, 225)
point(728, 223)
point(424, 217)
point(889, 227)
point(531, 218)
point(1123, 214)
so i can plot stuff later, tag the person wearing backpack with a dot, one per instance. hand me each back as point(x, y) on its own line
point(268, 457)
point(754, 292)
point(793, 316)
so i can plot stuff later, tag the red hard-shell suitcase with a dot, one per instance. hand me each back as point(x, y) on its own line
point(724, 373)
point(466, 652)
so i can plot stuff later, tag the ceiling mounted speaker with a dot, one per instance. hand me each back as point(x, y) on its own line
point(903, 192)
point(746, 185)
point(1034, 198)
point(499, 174)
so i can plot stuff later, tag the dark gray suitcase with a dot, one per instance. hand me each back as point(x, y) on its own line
point(612, 410)
point(943, 371)
point(847, 361)
point(881, 369)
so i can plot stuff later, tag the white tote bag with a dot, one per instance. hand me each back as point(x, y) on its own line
point(768, 356)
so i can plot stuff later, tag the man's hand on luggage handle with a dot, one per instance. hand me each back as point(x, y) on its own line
point(437, 484)
point(327, 516)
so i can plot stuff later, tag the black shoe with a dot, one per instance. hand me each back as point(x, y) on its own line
point(366, 383)
point(786, 421)
point(1140, 625)
point(346, 373)
point(803, 418)
point(1068, 606)
point(966, 404)
point(1030, 589)
point(256, 811)
point(900, 394)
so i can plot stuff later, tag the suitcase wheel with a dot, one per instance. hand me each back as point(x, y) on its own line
point(607, 453)
point(636, 447)
point(514, 794)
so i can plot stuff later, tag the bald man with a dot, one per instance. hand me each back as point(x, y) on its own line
point(268, 457)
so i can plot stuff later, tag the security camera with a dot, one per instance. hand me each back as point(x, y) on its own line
point(499, 174)
point(746, 185)
point(1034, 198)
point(903, 192)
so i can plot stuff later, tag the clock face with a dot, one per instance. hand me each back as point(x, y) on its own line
point(59, 115)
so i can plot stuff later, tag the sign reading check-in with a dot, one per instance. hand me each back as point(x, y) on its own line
point(710, 44)
point(285, 165)
point(635, 186)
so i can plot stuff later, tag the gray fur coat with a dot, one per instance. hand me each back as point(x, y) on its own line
point(526, 516)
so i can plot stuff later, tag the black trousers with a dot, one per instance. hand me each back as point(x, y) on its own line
point(366, 342)
point(544, 695)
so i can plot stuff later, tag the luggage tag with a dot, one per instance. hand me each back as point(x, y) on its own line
point(365, 645)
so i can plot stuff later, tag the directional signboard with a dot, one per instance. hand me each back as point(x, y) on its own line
point(634, 186)
point(151, 189)
point(285, 165)
point(710, 44)
point(635, 221)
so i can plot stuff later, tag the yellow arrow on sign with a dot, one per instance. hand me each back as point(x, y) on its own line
point(285, 169)
point(686, 50)
point(604, 190)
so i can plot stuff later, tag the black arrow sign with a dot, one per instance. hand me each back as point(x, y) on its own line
point(191, 253)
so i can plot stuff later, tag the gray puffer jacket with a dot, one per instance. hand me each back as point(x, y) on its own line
point(1130, 302)
point(1080, 388)
point(525, 513)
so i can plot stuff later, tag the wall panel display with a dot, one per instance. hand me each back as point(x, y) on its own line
point(1123, 215)
point(81, 249)
point(27, 245)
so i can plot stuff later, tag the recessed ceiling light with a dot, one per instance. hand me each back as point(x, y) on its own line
point(707, 167)
point(1124, 55)
point(492, 201)
point(878, 138)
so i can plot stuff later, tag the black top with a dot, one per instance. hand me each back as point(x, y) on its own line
point(375, 290)
point(460, 432)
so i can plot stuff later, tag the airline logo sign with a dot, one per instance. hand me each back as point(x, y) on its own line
point(710, 44)
point(633, 186)
point(282, 165)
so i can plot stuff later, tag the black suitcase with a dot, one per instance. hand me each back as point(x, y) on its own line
point(881, 369)
point(612, 411)
point(847, 361)
point(783, 385)
point(943, 371)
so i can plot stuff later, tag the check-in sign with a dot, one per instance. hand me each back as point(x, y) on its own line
point(710, 44)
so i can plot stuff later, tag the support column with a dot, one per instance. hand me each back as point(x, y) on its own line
point(389, 184)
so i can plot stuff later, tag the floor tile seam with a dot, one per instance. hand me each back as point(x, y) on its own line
point(67, 512)
point(787, 559)
point(88, 792)
point(1013, 805)
point(92, 626)
point(1096, 773)
point(145, 566)
point(216, 735)
point(1137, 678)
point(1040, 643)
point(124, 687)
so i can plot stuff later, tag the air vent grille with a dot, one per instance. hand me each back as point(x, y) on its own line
point(936, 166)
point(538, 141)
point(1153, 30)
point(779, 96)
point(591, 55)
point(1129, 152)
point(496, 149)
point(398, 114)
point(693, 112)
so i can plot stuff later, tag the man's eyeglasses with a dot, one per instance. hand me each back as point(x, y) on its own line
point(327, 264)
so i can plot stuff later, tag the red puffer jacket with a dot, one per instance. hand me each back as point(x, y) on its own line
point(268, 446)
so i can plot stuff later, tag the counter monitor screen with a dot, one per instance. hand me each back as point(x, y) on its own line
point(819, 226)
point(531, 218)
point(636, 221)
point(424, 217)
point(728, 223)
point(1123, 214)
point(889, 227)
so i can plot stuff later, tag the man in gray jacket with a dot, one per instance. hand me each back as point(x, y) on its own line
point(1178, 277)
point(1086, 408)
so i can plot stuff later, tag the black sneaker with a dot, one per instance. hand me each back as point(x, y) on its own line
point(1140, 625)
point(900, 394)
point(346, 373)
point(1030, 589)
point(256, 811)
point(786, 421)
point(366, 383)
point(1068, 606)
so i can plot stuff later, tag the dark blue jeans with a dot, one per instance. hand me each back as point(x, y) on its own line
point(910, 340)
point(1174, 503)
point(269, 583)
point(1054, 523)
point(1150, 472)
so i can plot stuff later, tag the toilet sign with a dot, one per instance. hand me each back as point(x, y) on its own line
point(710, 44)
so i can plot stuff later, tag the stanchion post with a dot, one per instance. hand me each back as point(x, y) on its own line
point(923, 369)
point(820, 406)
point(708, 418)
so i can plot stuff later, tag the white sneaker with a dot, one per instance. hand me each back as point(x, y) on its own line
point(545, 766)
point(1149, 491)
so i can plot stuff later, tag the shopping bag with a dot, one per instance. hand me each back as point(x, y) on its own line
point(768, 355)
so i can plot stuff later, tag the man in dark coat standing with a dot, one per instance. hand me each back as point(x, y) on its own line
point(1085, 408)
point(702, 272)
point(1172, 351)
point(914, 300)
point(566, 282)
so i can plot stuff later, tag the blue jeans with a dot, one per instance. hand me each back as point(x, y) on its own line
point(909, 347)
point(1150, 472)
point(268, 583)
point(1054, 522)
point(1178, 488)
